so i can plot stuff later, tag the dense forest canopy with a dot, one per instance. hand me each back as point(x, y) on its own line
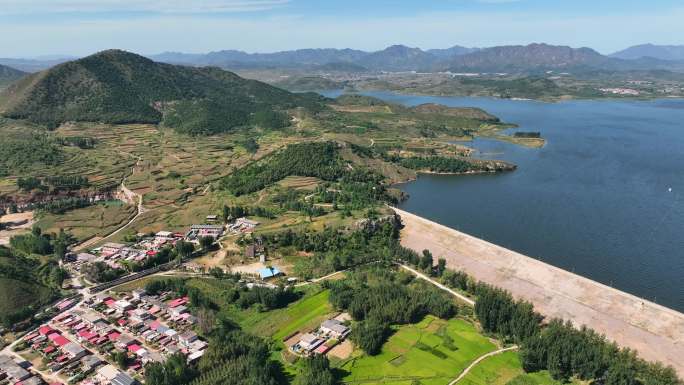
point(316, 159)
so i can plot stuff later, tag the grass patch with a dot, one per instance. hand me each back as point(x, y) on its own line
point(423, 355)
point(94, 221)
point(505, 369)
point(299, 316)
point(17, 294)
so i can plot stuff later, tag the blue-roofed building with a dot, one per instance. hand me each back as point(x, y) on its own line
point(266, 272)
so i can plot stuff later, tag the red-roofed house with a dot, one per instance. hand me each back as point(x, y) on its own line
point(31, 336)
point(49, 349)
point(110, 302)
point(134, 348)
point(60, 341)
point(113, 336)
point(87, 335)
point(45, 330)
point(178, 301)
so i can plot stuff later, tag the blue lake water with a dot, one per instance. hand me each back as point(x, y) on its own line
point(595, 200)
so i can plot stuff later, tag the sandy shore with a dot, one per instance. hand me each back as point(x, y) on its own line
point(655, 331)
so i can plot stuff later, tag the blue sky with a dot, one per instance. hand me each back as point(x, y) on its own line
point(30, 28)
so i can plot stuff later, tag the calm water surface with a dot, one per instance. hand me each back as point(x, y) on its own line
point(595, 200)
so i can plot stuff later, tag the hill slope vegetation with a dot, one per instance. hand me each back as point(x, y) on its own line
point(120, 87)
point(9, 74)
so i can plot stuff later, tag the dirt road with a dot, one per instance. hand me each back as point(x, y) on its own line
point(655, 331)
point(478, 360)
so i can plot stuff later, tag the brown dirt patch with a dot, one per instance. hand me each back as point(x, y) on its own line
point(342, 350)
point(293, 340)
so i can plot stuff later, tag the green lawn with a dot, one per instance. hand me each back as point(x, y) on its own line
point(421, 352)
point(302, 315)
point(505, 369)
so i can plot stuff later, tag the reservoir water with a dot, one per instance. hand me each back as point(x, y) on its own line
point(604, 198)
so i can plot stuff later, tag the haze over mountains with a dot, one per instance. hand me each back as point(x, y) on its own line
point(662, 52)
point(528, 58)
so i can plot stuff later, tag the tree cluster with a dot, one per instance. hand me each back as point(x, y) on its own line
point(377, 298)
point(303, 159)
point(101, 272)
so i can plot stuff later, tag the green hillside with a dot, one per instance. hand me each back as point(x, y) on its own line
point(9, 75)
point(120, 87)
point(26, 284)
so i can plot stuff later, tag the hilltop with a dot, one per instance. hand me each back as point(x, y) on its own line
point(9, 75)
point(661, 52)
point(120, 87)
point(529, 57)
point(399, 58)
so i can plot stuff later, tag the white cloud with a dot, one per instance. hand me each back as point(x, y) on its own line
point(159, 6)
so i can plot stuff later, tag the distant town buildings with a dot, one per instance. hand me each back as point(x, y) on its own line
point(620, 91)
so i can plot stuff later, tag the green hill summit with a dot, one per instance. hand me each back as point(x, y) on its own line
point(121, 87)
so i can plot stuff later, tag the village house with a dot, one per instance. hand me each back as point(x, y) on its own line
point(74, 350)
point(123, 305)
point(244, 225)
point(111, 248)
point(269, 272)
point(187, 338)
point(12, 370)
point(199, 231)
point(335, 329)
point(138, 293)
point(309, 342)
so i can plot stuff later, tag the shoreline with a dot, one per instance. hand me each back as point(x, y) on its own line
point(549, 100)
point(656, 332)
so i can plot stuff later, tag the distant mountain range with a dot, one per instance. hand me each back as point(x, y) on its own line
point(509, 59)
point(34, 65)
point(121, 87)
point(661, 52)
point(393, 58)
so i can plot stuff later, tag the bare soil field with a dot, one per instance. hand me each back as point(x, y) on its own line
point(655, 331)
point(18, 223)
point(343, 350)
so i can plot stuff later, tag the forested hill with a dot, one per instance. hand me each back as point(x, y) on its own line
point(9, 74)
point(121, 87)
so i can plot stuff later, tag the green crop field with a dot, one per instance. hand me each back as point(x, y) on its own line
point(505, 369)
point(433, 352)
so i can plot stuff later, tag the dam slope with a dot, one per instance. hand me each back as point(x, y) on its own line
point(655, 331)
